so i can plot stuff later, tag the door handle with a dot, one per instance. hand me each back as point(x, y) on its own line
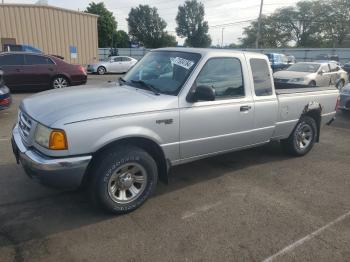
point(245, 108)
point(18, 70)
point(50, 69)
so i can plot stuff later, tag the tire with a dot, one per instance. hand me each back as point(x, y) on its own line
point(303, 137)
point(101, 70)
point(341, 84)
point(312, 84)
point(123, 179)
point(59, 82)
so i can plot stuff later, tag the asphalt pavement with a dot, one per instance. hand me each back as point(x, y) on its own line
point(253, 205)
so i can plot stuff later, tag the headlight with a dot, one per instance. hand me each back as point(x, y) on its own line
point(51, 138)
point(293, 80)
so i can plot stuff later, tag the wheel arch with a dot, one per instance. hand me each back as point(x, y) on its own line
point(64, 75)
point(147, 144)
point(314, 110)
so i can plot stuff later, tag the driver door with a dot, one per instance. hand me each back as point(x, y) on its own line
point(116, 65)
point(208, 127)
point(324, 79)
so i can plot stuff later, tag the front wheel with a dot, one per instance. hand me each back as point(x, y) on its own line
point(60, 82)
point(101, 70)
point(123, 179)
point(303, 137)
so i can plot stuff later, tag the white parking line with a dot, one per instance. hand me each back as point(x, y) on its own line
point(4, 139)
point(200, 210)
point(301, 241)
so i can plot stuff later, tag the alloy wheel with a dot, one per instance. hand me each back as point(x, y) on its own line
point(127, 183)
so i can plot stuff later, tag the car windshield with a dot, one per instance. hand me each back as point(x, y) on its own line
point(164, 71)
point(304, 67)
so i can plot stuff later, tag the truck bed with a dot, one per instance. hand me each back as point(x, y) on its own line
point(303, 90)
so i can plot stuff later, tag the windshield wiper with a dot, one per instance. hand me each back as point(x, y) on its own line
point(148, 86)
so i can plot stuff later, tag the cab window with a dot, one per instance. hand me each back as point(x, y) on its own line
point(334, 67)
point(325, 68)
point(12, 60)
point(224, 75)
point(261, 77)
point(38, 60)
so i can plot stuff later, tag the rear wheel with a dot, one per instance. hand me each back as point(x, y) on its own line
point(60, 82)
point(312, 84)
point(123, 179)
point(101, 70)
point(341, 84)
point(303, 138)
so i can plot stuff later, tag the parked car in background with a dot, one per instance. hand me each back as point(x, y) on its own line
point(311, 74)
point(24, 71)
point(113, 64)
point(346, 68)
point(175, 106)
point(5, 96)
point(278, 61)
point(22, 48)
point(327, 57)
point(291, 59)
point(344, 101)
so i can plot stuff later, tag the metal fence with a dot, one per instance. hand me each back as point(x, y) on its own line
point(308, 54)
point(136, 53)
point(300, 54)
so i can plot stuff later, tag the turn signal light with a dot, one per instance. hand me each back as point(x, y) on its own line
point(58, 140)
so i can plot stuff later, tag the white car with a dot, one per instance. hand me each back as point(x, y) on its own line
point(113, 64)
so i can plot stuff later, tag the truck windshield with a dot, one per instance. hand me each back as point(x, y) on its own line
point(165, 71)
point(304, 67)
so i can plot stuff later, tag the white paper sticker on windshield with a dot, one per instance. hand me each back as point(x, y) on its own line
point(182, 62)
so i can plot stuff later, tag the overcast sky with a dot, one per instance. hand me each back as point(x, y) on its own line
point(217, 13)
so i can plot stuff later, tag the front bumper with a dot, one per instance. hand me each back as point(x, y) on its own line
point(64, 173)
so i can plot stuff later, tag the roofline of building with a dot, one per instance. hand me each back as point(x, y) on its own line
point(49, 7)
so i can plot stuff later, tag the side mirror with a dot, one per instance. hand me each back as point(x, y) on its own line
point(321, 72)
point(111, 61)
point(203, 93)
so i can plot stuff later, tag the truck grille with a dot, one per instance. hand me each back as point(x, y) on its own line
point(25, 125)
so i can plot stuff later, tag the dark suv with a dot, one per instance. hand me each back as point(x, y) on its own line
point(28, 70)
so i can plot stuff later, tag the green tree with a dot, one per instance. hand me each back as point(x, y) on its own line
point(147, 27)
point(272, 35)
point(121, 39)
point(333, 21)
point(106, 24)
point(191, 24)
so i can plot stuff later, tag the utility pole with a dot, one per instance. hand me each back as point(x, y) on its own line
point(259, 26)
point(222, 37)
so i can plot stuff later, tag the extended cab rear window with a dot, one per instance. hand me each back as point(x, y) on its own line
point(261, 77)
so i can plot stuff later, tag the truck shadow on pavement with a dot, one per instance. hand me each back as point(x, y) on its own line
point(56, 211)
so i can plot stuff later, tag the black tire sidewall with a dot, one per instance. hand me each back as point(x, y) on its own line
point(312, 83)
point(310, 122)
point(113, 161)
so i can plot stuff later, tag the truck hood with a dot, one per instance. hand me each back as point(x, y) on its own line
point(63, 106)
point(291, 74)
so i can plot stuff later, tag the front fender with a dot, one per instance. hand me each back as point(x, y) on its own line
point(126, 132)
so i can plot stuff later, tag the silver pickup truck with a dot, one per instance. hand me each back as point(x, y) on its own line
point(174, 106)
